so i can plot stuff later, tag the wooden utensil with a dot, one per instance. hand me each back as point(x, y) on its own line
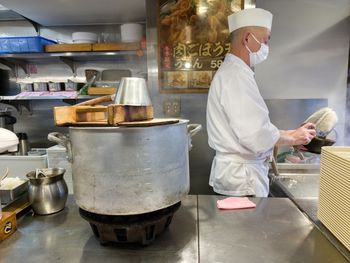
point(68, 114)
point(123, 113)
point(274, 166)
point(148, 123)
point(101, 115)
point(99, 100)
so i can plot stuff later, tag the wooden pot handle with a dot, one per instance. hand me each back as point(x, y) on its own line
point(107, 98)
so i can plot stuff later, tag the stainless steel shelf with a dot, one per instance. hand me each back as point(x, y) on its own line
point(16, 60)
point(80, 97)
point(26, 56)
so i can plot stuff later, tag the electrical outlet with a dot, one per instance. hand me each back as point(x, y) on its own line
point(172, 107)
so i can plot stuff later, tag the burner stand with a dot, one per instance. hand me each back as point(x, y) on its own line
point(141, 228)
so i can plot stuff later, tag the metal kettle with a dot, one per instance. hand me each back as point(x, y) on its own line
point(23, 146)
point(48, 191)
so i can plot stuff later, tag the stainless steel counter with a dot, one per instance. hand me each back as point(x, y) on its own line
point(309, 207)
point(275, 231)
point(299, 185)
point(66, 237)
point(300, 182)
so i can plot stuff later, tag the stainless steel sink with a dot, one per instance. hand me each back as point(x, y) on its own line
point(295, 180)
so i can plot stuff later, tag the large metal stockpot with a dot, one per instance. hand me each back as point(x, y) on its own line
point(129, 170)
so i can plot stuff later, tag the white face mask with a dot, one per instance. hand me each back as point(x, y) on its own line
point(260, 55)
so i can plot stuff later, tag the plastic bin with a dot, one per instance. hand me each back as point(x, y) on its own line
point(20, 165)
point(23, 44)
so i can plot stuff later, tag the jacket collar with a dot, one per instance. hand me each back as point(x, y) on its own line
point(238, 61)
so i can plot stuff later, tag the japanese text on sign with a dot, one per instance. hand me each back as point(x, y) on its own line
point(217, 49)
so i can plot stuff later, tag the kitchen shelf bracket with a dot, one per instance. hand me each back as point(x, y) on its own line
point(19, 105)
point(70, 63)
point(14, 64)
point(34, 24)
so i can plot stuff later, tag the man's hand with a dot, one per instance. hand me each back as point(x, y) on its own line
point(301, 136)
point(304, 134)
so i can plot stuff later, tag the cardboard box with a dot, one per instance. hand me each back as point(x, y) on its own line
point(8, 225)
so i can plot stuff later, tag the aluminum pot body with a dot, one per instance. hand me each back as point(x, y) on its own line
point(129, 170)
point(48, 195)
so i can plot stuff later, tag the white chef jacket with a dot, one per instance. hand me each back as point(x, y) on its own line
point(239, 130)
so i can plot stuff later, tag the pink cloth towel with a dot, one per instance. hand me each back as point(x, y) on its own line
point(235, 203)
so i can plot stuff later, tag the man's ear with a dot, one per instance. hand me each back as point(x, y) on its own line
point(245, 36)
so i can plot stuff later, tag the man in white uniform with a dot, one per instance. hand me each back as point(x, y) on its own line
point(238, 122)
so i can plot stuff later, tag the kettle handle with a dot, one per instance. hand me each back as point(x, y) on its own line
point(192, 130)
point(63, 140)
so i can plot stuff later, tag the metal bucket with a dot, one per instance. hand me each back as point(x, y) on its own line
point(129, 170)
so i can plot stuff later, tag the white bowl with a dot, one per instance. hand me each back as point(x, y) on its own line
point(131, 32)
point(84, 37)
point(84, 41)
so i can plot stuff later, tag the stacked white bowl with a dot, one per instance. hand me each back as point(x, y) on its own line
point(131, 32)
point(84, 37)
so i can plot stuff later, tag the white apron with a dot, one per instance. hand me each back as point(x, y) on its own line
point(237, 176)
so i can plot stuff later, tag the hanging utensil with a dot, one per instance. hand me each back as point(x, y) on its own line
point(273, 161)
point(39, 173)
point(5, 175)
point(298, 152)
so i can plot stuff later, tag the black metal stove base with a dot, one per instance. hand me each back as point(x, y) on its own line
point(142, 228)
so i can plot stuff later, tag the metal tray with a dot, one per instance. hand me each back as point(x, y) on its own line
point(8, 196)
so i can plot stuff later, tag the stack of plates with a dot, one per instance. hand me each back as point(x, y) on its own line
point(334, 195)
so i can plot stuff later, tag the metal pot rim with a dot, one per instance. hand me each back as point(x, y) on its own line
point(54, 174)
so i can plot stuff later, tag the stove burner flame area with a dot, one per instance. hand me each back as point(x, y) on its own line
point(141, 228)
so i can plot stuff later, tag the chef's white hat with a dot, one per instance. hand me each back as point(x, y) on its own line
point(250, 17)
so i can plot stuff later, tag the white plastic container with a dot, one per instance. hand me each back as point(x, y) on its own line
point(20, 165)
point(131, 32)
point(25, 87)
point(40, 86)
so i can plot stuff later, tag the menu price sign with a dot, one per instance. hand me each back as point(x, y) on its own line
point(193, 40)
